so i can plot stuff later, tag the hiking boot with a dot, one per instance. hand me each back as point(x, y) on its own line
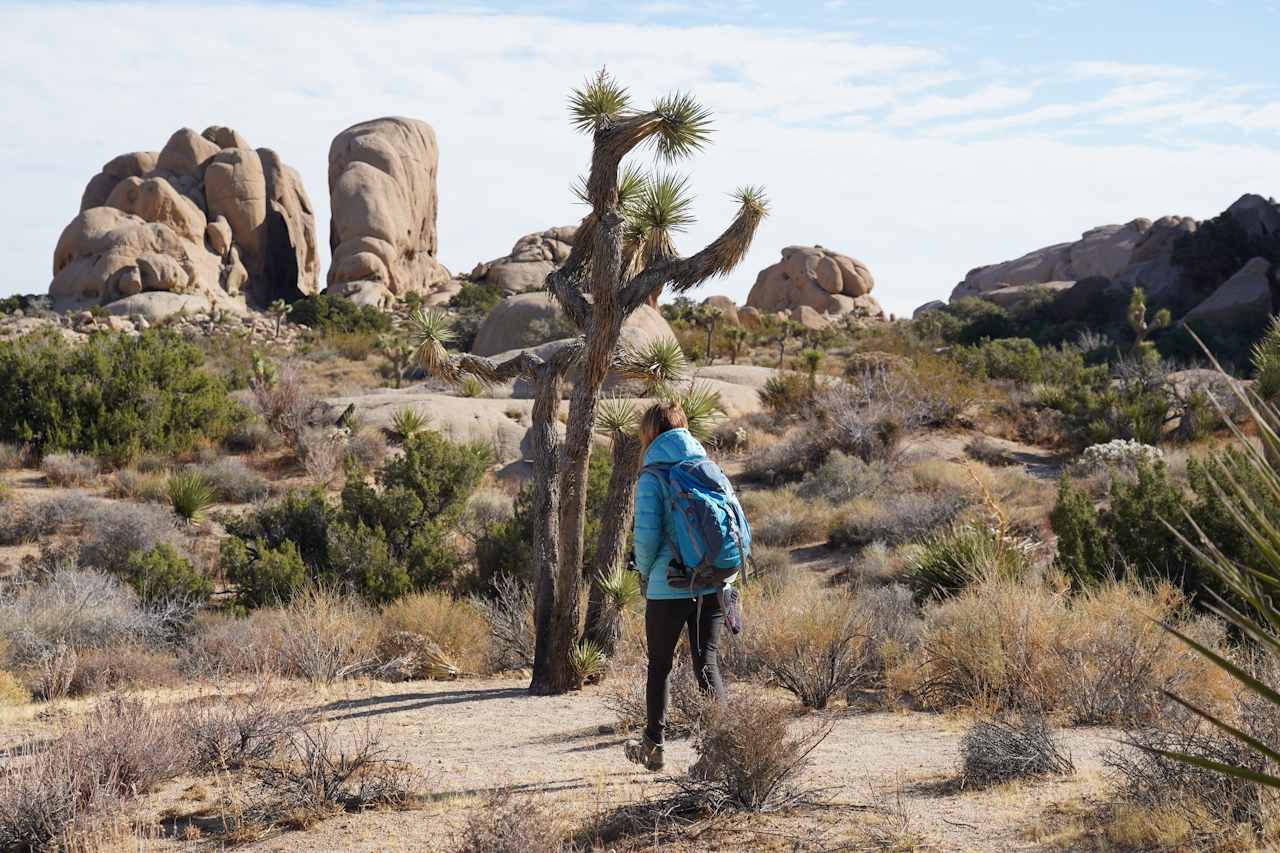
point(646, 752)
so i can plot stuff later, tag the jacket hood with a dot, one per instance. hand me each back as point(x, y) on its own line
point(672, 446)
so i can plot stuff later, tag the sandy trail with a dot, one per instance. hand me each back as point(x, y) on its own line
point(472, 735)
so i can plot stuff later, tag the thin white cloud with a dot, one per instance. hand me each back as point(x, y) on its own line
point(891, 153)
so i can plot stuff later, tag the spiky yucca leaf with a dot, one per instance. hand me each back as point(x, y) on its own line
point(621, 587)
point(617, 415)
point(702, 406)
point(407, 422)
point(429, 331)
point(599, 99)
point(663, 361)
point(470, 387)
point(686, 126)
point(589, 660)
point(190, 495)
point(1258, 618)
point(632, 182)
point(1266, 363)
point(752, 199)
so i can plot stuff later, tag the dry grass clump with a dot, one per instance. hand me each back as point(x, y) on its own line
point(996, 751)
point(223, 646)
point(321, 451)
point(878, 564)
point(1097, 656)
point(254, 436)
point(232, 480)
point(458, 627)
point(773, 568)
point(12, 455)
point(22, 522)
point(69, 469)
point(150, 486)
point(127, 665)
point(780, 518)
point(324, 636)
point(895, 519)
point(816, 646)
point(507, 822)
point(281, 402)
point(11, 690)
point(750, 757)
point(842, 478)
point(369, 449)
point(982, 449)
point(114, 531)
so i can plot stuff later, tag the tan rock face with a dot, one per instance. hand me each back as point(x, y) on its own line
point(812, 277)
point(511, 325)
point(207, 217)
point(726, 305)
point(382, 192)
point(1243, 297)
point(532, 259)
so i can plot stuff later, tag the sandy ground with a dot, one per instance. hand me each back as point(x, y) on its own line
point(889, 768)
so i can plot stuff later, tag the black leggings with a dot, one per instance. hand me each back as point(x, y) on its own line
point(664, 620)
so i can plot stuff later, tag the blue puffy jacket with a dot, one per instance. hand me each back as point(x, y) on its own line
point(653, 512)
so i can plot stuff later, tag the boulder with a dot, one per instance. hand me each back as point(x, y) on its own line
point(1158, 242)
point(509, 326)
point(1074, 298)
point(746, 375)
point(810, 319)
point(1157, 277)
point(532, 258)
point(153, 306)
point(1242, 298)
point(1256, 215)
point(935, 305)
point(814, 277)
point(382, 192)
point(1099, 251)
point(725, 304)
point(750, 317)
point(224, 223)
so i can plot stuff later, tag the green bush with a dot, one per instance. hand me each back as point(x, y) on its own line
point(382, 541)
point(1084, 553)
point(1004, 358)
point(162, 574)
point(948, 562)
point(113, 396)
point(338, 314)
point(481, 298)
point(1216, 250)
point(1139, 510)
point(975, 319)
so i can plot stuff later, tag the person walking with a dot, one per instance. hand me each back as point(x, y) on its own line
point(665, 440)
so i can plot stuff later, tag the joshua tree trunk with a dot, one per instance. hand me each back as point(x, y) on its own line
point(620, 500)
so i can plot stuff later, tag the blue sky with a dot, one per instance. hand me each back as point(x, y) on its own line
point(924, 138)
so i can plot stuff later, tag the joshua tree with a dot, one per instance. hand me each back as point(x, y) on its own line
point(622, 257)
point(812, 358)
point(396, 351)
point(1138, 320)
point(279, 309)
point(785, 329)
point(736, 336)
point(707, 316)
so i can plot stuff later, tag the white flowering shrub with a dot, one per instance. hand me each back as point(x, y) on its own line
point(1120, 453)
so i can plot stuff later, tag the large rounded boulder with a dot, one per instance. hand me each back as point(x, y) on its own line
point(527, 320)
point(817, 278)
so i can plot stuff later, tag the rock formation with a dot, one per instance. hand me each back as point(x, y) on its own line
point(514, 324)
point(382, 191)
point(1243, 297)
point(818, 278)
point(206, 221)
point(531, 259)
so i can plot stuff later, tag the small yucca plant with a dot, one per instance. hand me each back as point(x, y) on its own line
point(701, 404)
point(429, 331)
point(471, 387)
point(408, 422)
point(589, 660)
point(190, 495)
point(617, 415)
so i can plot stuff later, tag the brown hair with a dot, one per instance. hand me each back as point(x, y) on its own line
point(659, 418)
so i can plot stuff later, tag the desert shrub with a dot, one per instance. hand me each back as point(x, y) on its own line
point(982, 449)
point(253, 436)
point(815, 647)
point(128, 666)
point(1083, 550)
point(164, 575)
point(997, 751)
point(233, 481)
point(542, 330)
point(69, 469)
point(751, 759)
point(787, 393)
point(113, 396)
point(773, 569)
point(897, 518)
point(785, 528)
point(893, 624)
point(280, 401)
point(76, 786)
point(369, 449)
point(227, 731)
point(321, 451)
point(948, 562)
point(1097, 657)
point(324, 636)
point(223, 646)
point(27, 521)
point(626, 697)
point(1003, 358)
point(1139, 509)
point(505, 821)
point(457, 626)
point(803, 449)
point(481, 298)
point(263, 575)
point(139, 486)
point(334, 314)
point(1117, 454)
point(842, 478)
point(11, 690)
point(878, 564)
point(407, 422)
point(115, 531)
point(509, 612)
point(971, 319)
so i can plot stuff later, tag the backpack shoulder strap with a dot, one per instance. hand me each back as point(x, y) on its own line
point(662, 472)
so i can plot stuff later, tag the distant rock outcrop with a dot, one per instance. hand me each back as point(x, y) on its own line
point(382, 190)
point(527, 320)
point(206, 216)
point(532, 258)
point(811, 276)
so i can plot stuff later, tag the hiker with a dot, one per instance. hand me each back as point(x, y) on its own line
point(665, 442)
